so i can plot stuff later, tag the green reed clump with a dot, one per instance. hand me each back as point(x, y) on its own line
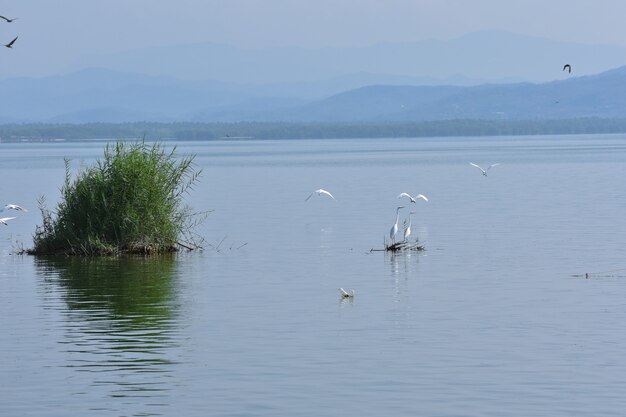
point(131, 201)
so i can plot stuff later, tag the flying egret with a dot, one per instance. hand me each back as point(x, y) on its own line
point(346, 294)
point(13, 207)
point(413, 199)
point(407, 230)
point(484, 171)
point(394, 228)
point(10, 44)
point(320, 192)
point(3, 220)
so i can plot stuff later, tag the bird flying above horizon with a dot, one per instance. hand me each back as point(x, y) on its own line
point(413, 199)
point(10, 44)
point(567, 67)
point(4, 220)
point(13, 207)
point(9, 20)
point(320, 192)
point(484, 171)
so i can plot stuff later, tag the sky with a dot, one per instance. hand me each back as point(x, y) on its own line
point(53, 33)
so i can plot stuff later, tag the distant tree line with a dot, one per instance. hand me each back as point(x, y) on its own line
point(258, 130)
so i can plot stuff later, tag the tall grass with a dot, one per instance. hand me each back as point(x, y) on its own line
point(131, 201)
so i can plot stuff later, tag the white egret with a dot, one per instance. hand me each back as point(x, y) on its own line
point(346, 294)
point(320, 192)
point(3, 220)
point(407, 229)
point(394, 228)
point(484, 171)
point(413, 199)
point(13, 207)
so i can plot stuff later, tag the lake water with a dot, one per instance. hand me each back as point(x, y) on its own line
point(494, 318)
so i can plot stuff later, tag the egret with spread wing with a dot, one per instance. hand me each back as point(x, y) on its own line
point(320, 192)
point(484, 171)
point(13, 207)
point(4, 220)
point(413, 199)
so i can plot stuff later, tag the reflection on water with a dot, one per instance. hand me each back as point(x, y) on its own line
point(119, 321)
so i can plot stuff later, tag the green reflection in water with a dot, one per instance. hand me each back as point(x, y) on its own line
point(120, 324)
point(138, 289)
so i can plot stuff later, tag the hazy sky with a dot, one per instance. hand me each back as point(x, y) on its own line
point(54, 32)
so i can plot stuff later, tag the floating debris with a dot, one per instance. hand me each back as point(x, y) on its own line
point(401, 246)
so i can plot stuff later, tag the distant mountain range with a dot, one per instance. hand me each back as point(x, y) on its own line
point(484, 75)
point(100, 95)
point(476, 58)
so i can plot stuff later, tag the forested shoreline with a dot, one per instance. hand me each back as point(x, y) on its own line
point(258, 130)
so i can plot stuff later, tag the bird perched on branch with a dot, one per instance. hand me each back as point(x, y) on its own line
point(394, 228)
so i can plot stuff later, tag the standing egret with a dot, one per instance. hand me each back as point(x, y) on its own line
point(407, 229)
point(484, 171)
point(3, 220)
point(394, 228)
point(320, 192)
point(413, 199)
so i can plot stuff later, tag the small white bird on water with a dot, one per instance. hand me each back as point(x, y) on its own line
point(413, 199)
point(484, 171)
point(320, 192)
point(4, 220)
point(13, 207)
point(346, 294)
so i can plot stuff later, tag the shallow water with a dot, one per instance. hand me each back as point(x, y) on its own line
point(495, 318)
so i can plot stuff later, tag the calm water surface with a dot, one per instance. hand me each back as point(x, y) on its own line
point(495, 318)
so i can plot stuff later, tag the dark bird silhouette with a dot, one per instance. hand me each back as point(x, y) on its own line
point(567, 67)
point(10, 44)
point(7, 19)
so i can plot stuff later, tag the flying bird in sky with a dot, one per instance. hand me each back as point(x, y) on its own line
point(567, 67)
point(7, 19)
point(13, 207)
point(484, 171)
point(413, 199)
point(10, 44)
point(320, 192)
point(3, 220)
